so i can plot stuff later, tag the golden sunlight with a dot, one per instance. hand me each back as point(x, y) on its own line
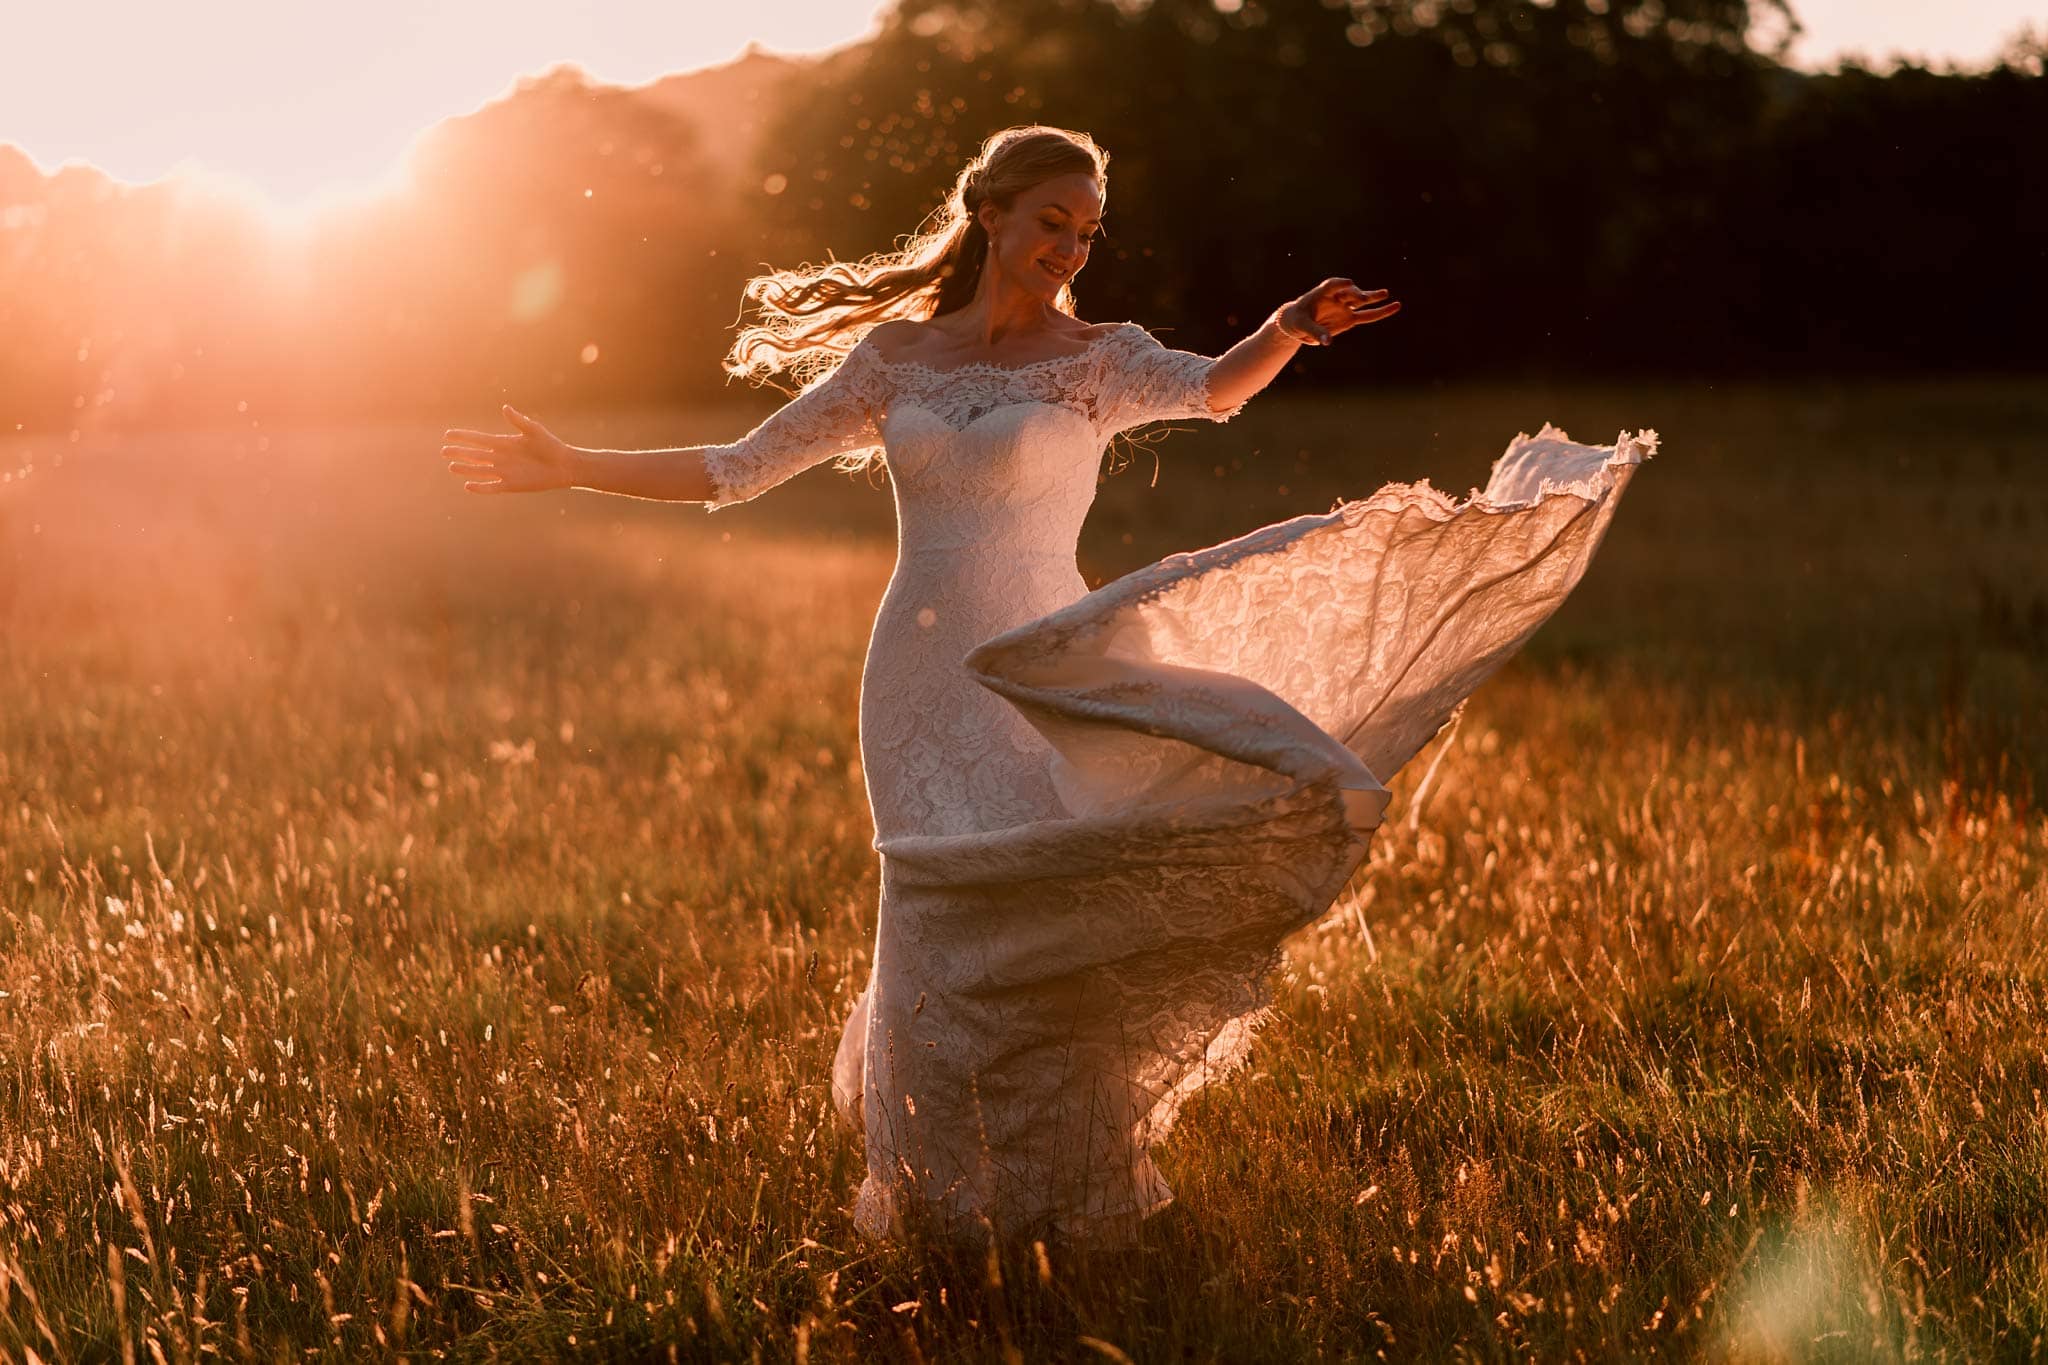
point(303, 106)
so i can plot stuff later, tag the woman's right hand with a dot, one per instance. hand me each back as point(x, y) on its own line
point(1333, 307)
point(529, 460)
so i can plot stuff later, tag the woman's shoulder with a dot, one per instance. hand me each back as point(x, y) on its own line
point(891, 339)
point(1121, 336)
point(1094, 337)
point(1089, 333)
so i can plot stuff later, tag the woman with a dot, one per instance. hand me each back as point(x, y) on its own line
point(1099, 814)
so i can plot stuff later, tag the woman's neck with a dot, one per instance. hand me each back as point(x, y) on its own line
point(999, 311)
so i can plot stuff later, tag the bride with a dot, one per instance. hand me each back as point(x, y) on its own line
point(1098, 814)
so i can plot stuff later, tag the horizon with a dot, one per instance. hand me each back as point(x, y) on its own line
point(293, 177)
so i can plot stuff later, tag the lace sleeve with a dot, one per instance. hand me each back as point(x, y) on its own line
point(839, 415)
point(1145, 381)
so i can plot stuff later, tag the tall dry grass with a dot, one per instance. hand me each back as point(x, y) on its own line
point(425, 920)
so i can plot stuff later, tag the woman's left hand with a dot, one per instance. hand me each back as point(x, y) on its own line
point(1333, 307)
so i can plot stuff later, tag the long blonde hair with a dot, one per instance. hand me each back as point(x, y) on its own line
point(812, 316)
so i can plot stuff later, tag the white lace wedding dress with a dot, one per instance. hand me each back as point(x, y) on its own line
point(1099, 814)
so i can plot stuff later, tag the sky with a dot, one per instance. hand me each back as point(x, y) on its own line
point(304, 101)
point(310, 97)
point(1966, 31)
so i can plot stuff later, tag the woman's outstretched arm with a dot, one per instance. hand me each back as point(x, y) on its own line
point(1145, 381)
point(1314, 319)
point(533, 459)
point(835, 417)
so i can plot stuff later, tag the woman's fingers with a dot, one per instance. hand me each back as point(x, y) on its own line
point(523, 422)
point(1358, 298)
point(1360, 319)
point(486, 440)
point(488, 461)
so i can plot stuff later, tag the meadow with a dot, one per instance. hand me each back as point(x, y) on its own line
point(426, 919)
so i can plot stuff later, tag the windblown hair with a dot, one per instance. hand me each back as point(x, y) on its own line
point(812, 316)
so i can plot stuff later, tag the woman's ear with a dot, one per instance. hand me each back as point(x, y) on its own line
point(988, 215)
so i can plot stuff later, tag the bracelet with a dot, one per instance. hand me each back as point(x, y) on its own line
point(1299, 338)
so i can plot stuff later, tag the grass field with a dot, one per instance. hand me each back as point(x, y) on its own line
point(426, 919)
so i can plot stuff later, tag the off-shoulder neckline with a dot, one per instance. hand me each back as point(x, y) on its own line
point(990, 366)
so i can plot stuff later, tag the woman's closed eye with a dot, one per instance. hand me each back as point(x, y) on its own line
point(1087, 238)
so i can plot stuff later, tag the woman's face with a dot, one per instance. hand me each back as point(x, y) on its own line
point(1041, 242)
